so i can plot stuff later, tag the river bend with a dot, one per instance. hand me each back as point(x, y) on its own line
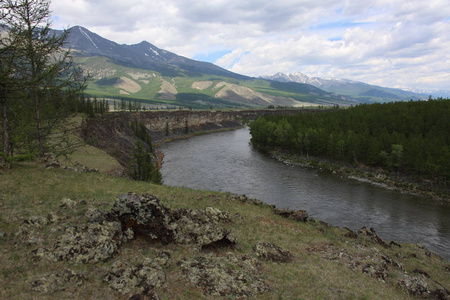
point(227, 162)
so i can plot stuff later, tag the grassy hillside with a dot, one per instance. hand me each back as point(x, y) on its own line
point(327, 262)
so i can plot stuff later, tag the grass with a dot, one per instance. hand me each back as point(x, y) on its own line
point(320, 269)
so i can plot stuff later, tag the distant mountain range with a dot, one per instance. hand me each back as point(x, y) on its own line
point(360, 91)
point(148, 74)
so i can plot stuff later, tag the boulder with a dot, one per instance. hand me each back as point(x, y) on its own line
point(229, 276)
point(145, 215)
point(91, 243)
point(416, 286)
point(139, 280)
point(199, 227)
point(68, 203)
point(149, 218)
point(272, 252)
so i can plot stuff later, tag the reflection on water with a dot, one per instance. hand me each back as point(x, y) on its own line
point(227, 162)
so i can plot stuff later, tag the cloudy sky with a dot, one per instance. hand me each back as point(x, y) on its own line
point(393, 43)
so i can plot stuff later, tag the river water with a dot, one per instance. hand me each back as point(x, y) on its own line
point(227, 162)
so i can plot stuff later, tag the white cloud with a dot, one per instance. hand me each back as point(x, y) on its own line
point(388, 42)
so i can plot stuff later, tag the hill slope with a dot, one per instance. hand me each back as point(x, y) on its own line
point(64, 246)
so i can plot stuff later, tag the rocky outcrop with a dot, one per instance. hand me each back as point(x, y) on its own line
point(90, 243)
point(148, 218)
point(372, 262)
point(132, 216)
point(139, 280)
point(232, 276)
point(271, 252)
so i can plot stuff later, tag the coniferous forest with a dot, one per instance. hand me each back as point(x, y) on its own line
point(404, 137)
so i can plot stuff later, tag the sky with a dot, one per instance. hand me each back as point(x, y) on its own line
point(392, 43)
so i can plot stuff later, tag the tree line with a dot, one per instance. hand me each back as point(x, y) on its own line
point(39, 83)
point(146, 162)
point(409, 137)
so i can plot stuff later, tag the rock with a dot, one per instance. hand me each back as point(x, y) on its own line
point(198, 227)
point(149, 218)
point(415, 286)
point(140, 279)
point(379, 271)
point(350, 233)
point(373, 236)
point(145, 215)
point(217, 215)
point(297, 215)
point(90, 243)
point(68, 203)
point(95, 215)
point(53, 164)
point(30, 231)
point(220, 276)
point(245, 199)
point(52, 283)
point(272, 252)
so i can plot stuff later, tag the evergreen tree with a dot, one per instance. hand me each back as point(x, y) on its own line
point(42, 69)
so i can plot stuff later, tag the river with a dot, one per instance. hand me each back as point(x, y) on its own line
point(227, 162)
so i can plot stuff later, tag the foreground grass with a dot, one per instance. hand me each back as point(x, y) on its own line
point(317, 271)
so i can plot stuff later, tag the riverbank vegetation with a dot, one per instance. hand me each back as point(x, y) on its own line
point(404, 138)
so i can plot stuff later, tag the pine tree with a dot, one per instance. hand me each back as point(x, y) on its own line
point(42, 68)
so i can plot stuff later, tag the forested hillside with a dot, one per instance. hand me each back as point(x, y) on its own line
point(406, 137)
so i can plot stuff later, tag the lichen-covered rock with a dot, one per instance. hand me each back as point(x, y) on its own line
point(68, 203)
point(416, 286)
point(29, 231)
point(199, 227)
point(377, 270)
point(52, 283)
point(297, 215)
point(95, 215)
point(272, 252)
point(145, 214)
point(90, 243)
point(224, 276)
point(148, 217)
point(139, 280)
point(218, 215)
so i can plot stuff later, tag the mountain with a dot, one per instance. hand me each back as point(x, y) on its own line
point(143, 55)
point(146, 73)
point(360, 91)
point(435, 93)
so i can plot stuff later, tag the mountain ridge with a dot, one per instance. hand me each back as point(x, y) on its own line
point(141, 55)
point(143, 72)
point(361, 91)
